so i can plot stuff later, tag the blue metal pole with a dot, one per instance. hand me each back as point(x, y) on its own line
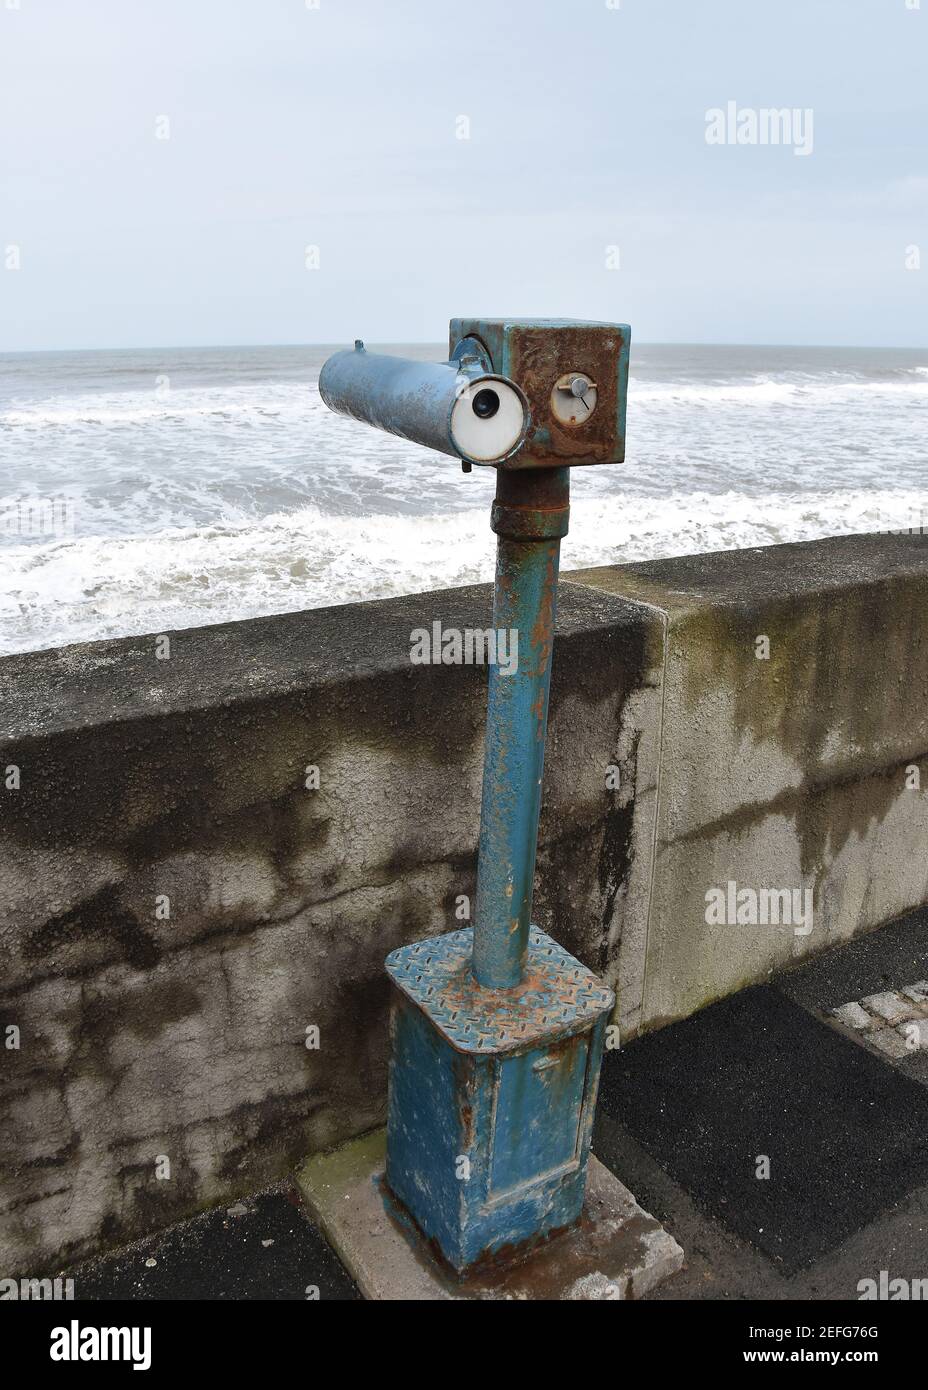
point(530, 515)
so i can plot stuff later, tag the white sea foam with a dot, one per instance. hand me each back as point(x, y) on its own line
point(211, 484)
point(290, 400)
point(797, 394)
point(91, 587)
point(151, 406)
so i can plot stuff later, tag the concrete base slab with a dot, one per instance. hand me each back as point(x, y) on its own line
point(617, 1251)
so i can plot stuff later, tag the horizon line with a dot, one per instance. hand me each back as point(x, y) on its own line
point(425, 342)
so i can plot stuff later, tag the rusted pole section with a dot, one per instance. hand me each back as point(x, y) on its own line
point(530, 515)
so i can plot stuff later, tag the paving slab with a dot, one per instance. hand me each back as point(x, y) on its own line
point(888, 1041)
point(889, 1006)
point(853, 1016)
point(915, 1033)
point(616, 1252)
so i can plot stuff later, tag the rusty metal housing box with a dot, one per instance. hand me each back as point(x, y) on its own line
point(492, 1094)
point(536, 354)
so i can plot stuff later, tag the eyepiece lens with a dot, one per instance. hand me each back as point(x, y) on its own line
point(486, 403)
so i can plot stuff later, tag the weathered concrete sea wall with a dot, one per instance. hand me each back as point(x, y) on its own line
point(182, 907)
point(793, 756)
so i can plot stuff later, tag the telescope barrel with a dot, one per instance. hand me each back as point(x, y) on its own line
point(473, 415)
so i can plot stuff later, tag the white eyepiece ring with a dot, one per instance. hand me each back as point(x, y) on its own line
point(489, 419)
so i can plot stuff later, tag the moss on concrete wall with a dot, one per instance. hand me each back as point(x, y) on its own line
point(784, 762)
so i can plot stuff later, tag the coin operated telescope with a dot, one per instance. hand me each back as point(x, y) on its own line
point(497, 1032)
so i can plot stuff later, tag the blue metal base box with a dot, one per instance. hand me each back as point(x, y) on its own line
point(492, 1094)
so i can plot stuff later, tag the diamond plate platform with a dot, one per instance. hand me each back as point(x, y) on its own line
point(556, 998)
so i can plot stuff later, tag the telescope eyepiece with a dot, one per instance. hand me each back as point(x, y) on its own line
point(485, 403)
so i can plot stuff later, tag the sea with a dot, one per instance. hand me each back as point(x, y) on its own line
point(145, 491)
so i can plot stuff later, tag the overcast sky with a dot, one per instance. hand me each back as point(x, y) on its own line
point(338, 128)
